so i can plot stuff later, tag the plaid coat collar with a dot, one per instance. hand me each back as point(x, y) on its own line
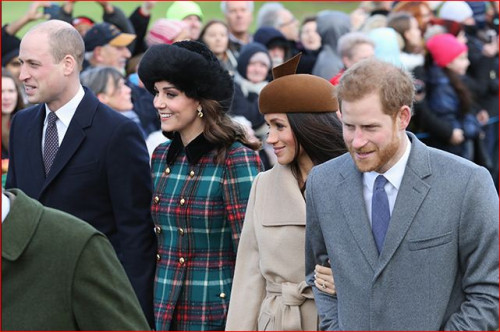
point(194, 150)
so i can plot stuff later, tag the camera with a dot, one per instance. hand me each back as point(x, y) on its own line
point(53, 10)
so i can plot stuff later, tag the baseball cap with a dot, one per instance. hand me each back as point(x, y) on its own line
point(104, 33)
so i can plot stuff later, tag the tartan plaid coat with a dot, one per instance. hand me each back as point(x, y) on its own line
point(198, 208)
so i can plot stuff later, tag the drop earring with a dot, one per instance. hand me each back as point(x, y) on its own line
point(200, 111)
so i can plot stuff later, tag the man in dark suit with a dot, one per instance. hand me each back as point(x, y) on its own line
point(419, 251)
point(82, 286)
point(87, 160)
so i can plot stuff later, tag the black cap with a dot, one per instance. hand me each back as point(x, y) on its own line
point(10, 47)
point(105, 33)
point(191, 67)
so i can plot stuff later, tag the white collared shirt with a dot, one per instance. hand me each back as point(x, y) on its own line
point(64, 116)
point(5, 206)
point(394, 177)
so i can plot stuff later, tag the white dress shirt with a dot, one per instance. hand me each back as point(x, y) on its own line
point(5, 206)
point(64, 116)
point(394, 177)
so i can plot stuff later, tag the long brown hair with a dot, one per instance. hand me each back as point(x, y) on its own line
point(319, 134)
point(19, 106)
point(221, 130)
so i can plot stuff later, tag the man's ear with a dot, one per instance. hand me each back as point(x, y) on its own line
point(404, 117)
point(70, 65)
point(103, 98)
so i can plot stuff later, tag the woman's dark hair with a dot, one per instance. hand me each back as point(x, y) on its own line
point(319, 134)
point(207, 25)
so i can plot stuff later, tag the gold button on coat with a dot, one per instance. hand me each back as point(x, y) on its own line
point(167, 170)
point(181, 231)
point(158, 229)
point(156, 199)
point(183, 201)
point(182, 260)
point(222, 295)
point(191, 174)
point(158, 257)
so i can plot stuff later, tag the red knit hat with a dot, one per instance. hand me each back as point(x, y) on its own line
point(444, 48)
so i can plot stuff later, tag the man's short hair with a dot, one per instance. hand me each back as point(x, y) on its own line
point(348, 41)
point(393, 84)
point(223, 6)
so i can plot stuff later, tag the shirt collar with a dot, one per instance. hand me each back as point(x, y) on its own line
point(394, 175)
point(194, 150)
point(5, 206)
point(66, 112)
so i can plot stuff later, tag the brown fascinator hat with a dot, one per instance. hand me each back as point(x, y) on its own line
point(297, 93)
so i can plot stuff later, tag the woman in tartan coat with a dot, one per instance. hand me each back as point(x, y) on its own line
point(202, 179)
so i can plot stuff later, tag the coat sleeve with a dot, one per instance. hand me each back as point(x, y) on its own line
point(478, 254)
point(241, 168)
point(102, 297)
point(249, 286)
point(130, 188)
point(316, 253)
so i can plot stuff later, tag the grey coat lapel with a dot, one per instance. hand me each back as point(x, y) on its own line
point(411, 194)
point(354, 209)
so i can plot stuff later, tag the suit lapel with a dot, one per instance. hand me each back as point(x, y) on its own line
point(34, 147)
point(74, 137)
point(411, 195)
point(353, 206)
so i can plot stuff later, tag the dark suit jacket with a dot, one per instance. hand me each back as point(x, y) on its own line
point(101, 174)
point(59, 273)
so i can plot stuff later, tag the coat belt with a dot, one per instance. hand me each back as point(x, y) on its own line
point(292, 296)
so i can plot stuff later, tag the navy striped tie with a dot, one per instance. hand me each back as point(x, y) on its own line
point(51, 142)
point(380, 212)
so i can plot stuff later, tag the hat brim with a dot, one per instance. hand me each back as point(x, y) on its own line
point(123, 39)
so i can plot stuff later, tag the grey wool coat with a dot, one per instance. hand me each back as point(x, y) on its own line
point(60, 273)
point(269, 288)
point(438, 269)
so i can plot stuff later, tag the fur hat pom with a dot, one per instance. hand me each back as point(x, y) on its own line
point(191, 67)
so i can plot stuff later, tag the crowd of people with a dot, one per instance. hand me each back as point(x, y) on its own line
point(335, 173)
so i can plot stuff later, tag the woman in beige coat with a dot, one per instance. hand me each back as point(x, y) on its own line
point(269, 290)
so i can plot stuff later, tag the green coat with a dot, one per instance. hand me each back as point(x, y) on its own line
point(59, 273)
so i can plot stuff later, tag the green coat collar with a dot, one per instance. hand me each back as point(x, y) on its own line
point(20, 224)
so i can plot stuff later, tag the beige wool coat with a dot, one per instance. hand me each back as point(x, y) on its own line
point(269, 289)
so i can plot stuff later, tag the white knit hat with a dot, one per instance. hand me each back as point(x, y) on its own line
point(457, 11)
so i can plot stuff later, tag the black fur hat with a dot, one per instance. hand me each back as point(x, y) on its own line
point(191, 67)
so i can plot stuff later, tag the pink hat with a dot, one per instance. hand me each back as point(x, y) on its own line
point(164, 31)
point(445, 48)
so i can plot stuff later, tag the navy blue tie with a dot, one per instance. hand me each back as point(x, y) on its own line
point(380, 212)
point(51, 142)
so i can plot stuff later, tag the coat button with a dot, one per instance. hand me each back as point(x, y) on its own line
point(181, 232)
point(158, 257)
point(167, 170)
point(158, 229)
point(222, 295)
point(156, 199)
point(182, 260)
point(191, 174)
point(183, 201)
